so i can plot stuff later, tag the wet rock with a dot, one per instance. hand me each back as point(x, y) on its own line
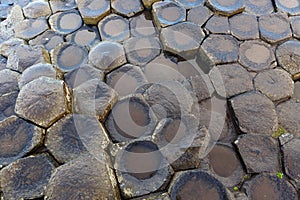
point(231, 79)
point(114, 28)
point(219, 49)
point(288, 56)
point(3, 62)
point(276, 84)
point(154, 196)
point(244, 26)
point(141, 50)
point(226, 8)
point(27, 177)
point(49, 39)
point(93, 98)
point(269, 27)
point(37, 9)
point(260, 153)
point(67, 57)
point(196, 184)
point(60, 21)
point(295, 23)
point(141, 169)
point(17, 138)
point(148, 3)
point(269, 186)
point(291, 7)
point(201, 86)
point(130, 118)
point(128, 8)
point(107, 56)
point(126, 79)
point(8, 81)
point(142, 26)
point(92, 11)
point(188, 4)
point(182, 39)
point(256, 55)
point(81, 75)
point(58, 5)
point(30, 28)
point(297, 90)
point(255, 113)
point(7, 105)
point(86, 36)
point(261, 7)
point(92, 180)
point(42, 101)
point(199, 15)
point(225, 165)
point(167, 13)
point(218, 24)
point(291, 153)
point(36, 71)
point(288, 116)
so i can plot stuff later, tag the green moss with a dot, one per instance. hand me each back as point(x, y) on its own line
point(235, 188)
point(279, 175)
point(279, 132)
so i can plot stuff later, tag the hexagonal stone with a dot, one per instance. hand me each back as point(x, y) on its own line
point(67, 57)
point(189, 68)
point(49, 39)
point(225, 165)
point(199, 15)
point(288, 116)
point(297, 90)
point(167, 13)
point(126, 79)
point(255, 113)
point(37, 9)
point(30, 28)
point(269, 186)
point(93, 98)
point(107, 56)
point(256, 55)
point(182, 39)
point(196, 184)
point(36, 71)
point(7, 105)
point(42, 101)
point(226, 8)
point(244, 26)
point(57, 5)
point(130, 118)
point(92, 11)
point(295, 23)
point(92, 177)
point(81, 75)
point(276, 84)
point(8, 81)
point(60, 21)
point(188, 4)
point(114, 28)
point(291, 154)
point(260, 153)
point(142, 26)
point(291, 7)
point(261, 7)
point(25, 56)
point(230, 79)
point(17, 138)
point(128, 8)
point(85, 36)
point(202, 87)
point(288, 55)
point(269, 27)
point(141, 50)
point(219, 49)
point(218, 24)
point(27, 177)
point(141, 169)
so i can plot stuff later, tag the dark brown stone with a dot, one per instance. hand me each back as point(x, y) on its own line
point(291, 154)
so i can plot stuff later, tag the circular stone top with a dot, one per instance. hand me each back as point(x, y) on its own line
point(226, 7)
point(93, 10)
point(291, 6)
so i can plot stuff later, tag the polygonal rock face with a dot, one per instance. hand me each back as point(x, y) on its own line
point(292, 7)
point(260, 153)
point(142, 26)
point(7, 104)
point(295, 23)
point(17, 137)
point(276, 84)
point(92, 178)
point(255, 113)
point(199, 15)
point(37, 9)
point(93, 10)
point(218, 24)
point(128, 8)
point(258, 8)
point(201, 86)
point(291, 154)
point(225, 7)
point(8, 81)
point(62, 5)
point(85, 36)
point(27, 177)
point(182, 39)
point(244, 26)
point(49, 39)
point(42, 101)
point(30, 28)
